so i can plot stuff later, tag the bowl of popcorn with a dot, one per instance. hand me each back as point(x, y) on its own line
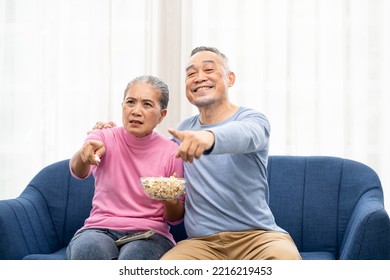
point(163, 188)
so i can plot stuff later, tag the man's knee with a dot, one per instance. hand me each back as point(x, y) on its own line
point(283, 250)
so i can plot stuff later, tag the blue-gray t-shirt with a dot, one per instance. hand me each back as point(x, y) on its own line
point(227, 190)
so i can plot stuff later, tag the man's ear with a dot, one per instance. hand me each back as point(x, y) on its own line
point(232, 78)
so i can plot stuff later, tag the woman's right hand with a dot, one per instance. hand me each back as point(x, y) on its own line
point(92, 151)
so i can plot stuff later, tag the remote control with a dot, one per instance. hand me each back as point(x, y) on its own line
point(134, 236)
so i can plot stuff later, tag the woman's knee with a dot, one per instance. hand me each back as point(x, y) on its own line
point(91, 245)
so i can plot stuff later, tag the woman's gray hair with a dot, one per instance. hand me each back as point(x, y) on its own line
point(155, 82)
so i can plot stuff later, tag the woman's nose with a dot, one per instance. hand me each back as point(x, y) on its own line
point(136, 110)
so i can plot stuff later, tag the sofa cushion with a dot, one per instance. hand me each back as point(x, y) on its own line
point(59, 255)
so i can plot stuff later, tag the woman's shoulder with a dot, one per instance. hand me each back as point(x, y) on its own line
point(105, 134)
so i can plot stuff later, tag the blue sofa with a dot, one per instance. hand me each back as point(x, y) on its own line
point(332, 207)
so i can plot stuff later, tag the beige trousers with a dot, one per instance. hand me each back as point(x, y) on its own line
point(241, 245)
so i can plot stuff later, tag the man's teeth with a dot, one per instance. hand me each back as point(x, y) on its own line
point(202, 88)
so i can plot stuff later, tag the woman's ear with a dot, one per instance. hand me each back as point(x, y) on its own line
point(163, 114)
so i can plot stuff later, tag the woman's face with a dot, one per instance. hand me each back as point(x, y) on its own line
point(141, 109)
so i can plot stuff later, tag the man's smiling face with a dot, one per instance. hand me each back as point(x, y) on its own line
point(207, 79)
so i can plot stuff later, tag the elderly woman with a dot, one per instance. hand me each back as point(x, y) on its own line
point(117, 157)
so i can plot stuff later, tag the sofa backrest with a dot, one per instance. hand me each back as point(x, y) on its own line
point(313, 197)
point(69, 200)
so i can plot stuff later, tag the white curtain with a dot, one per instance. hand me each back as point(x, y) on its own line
point(319, 69)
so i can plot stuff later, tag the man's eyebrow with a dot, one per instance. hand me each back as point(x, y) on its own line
point(190, 67)
point(203, 62)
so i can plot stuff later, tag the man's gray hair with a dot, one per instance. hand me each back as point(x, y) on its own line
point(214, 50)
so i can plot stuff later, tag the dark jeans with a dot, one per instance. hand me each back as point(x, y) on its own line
point(98, 244)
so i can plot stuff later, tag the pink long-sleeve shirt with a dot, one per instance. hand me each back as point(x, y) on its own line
point(119, 202)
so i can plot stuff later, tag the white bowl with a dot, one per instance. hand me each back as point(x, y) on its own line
point(163, 188)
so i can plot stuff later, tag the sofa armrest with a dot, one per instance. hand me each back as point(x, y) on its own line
point(26, 226)
point(367, 235)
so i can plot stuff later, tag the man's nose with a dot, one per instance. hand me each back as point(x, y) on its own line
point(200, 76)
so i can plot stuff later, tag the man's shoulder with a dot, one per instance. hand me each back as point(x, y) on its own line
point(248, 111)
point(188, 123)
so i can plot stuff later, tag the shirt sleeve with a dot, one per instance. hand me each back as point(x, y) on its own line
point(246, 134)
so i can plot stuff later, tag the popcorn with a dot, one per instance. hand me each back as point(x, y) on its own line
point(97, 159)
point(162, 187)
